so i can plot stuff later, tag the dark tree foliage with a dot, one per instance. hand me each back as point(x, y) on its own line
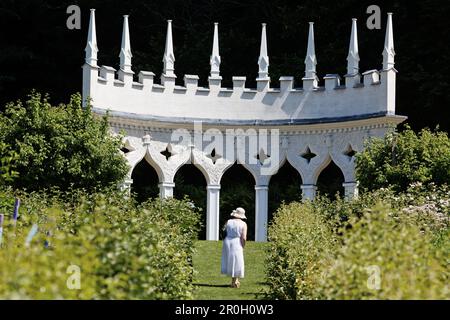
point(145, 182)
point(237, 189)
point(330, 181)
point(38, 51)
point(191, 183)
point(284, 187)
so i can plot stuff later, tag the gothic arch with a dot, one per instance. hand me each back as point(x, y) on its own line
point(263, 179)
point(283, 162)
point(145, 181)
point(213, 172)
point(190, 181)
point(283, 186)
point(329, 158)
point(135, 157)
point(334, 176)
point(237, 187)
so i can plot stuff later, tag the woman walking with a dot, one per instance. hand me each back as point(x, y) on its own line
point(233, 247)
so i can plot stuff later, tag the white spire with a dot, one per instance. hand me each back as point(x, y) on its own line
point(91, 47)
point(215, 57)
point(353, 51)
point(389, 52)
point(311, 60)
point(125, 50)
point(263, 61)
point(169, 58)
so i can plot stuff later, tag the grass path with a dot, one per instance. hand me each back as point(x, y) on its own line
point(211, 285)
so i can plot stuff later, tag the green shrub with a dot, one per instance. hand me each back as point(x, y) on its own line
point(329, 250)
point(177, 213)
point(63, 146)
point(392, 248)
point(123, 251)
point(301, 246)
point(401, 159)
point(37, 272)
point(7, 158)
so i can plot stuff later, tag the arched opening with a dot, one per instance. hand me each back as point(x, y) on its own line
point(238, 190)
point(190, 182)
point(145, 182)
point(330, 181)
point(284, 187)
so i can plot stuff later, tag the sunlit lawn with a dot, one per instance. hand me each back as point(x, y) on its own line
point(211, 285)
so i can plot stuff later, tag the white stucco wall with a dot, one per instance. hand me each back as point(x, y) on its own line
point(239, 104)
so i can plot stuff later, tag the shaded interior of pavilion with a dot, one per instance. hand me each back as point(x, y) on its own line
point(237, 189)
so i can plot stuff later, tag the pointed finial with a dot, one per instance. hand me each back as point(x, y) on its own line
point(169, 58)
point(215, 57)
point(91, 46)
point(353, 51)
point(263, 61)
point(125, 50)
point(389, 52)
point(311, 60)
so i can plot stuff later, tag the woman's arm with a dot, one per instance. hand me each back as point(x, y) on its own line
point(225, 226)
point(244, 235)
point(224, 230)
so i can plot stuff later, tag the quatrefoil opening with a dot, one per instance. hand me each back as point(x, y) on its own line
point(168, 152)
point(308, 155)
point(349, 152)
point(214, 156)
point(262, 157)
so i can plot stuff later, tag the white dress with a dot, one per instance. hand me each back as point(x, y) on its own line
point(232, 250)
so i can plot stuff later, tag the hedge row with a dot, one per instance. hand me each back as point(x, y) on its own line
point(381, 246)
point(121, 251)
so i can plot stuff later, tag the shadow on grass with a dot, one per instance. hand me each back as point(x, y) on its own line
point(212, 285)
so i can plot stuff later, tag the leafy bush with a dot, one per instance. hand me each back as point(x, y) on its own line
point(387, 256)
point(301, 246)
point(64, 146)
point(37, 272)
point(179, 214)
point(123, 251)
point(401, 159)
point(323, 250)
point(7, 172)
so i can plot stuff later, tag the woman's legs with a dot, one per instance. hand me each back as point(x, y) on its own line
point(235, 282)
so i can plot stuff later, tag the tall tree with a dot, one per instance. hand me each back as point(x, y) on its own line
point(64, 146)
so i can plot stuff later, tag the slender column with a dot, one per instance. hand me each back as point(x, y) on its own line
point(351, 190)
point(308, 191)
point(166, 189)
point(212, 212)
point(261, 213)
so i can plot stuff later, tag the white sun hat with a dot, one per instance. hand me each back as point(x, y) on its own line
point(239, 213)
